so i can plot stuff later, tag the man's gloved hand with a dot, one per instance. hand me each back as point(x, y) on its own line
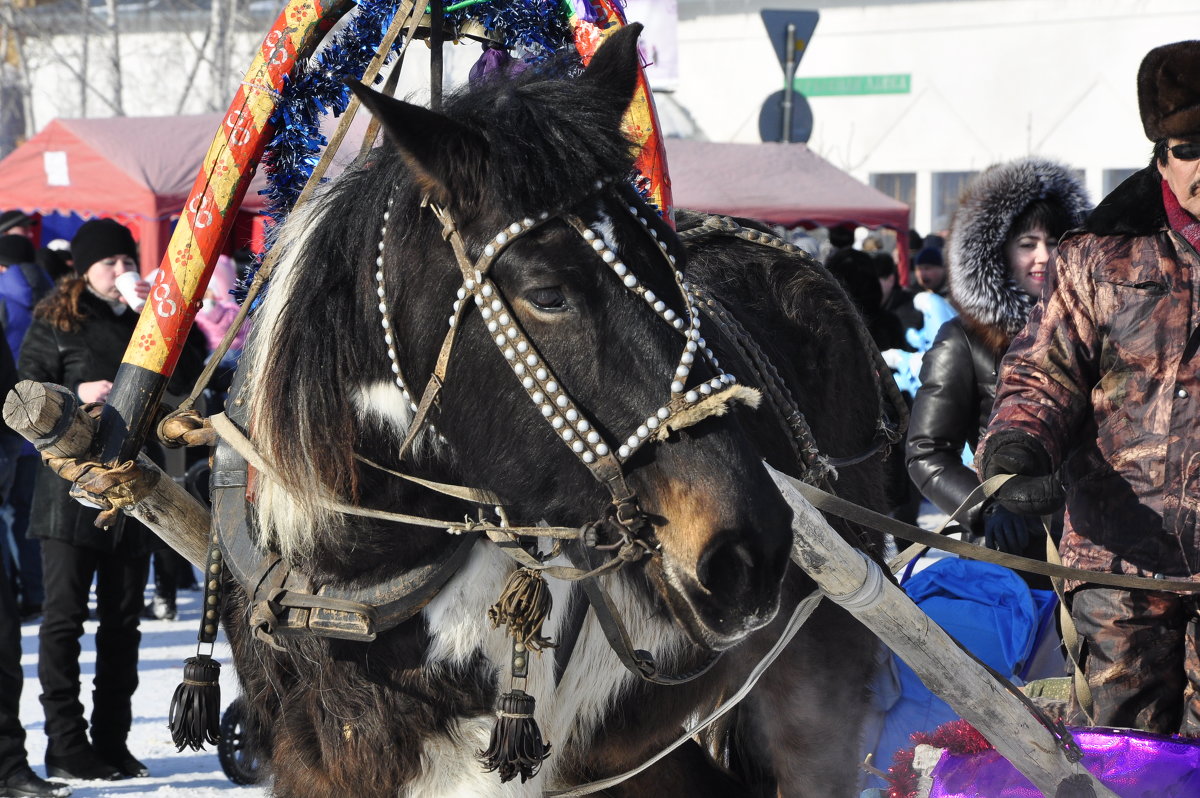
point(1035, 490)
point(1004, 530)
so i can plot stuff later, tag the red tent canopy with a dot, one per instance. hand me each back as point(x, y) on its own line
point(137, 170)
point(784, 184)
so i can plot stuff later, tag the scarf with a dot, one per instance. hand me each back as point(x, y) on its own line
point(1180, 220)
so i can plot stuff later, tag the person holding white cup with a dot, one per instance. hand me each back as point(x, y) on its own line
point(77, 339)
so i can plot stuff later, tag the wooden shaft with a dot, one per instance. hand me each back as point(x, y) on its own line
point(35, 411)
point(857, 584)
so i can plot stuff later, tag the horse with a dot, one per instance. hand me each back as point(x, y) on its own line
point(499, 245)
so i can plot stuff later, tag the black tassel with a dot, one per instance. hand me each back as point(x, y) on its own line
point(1077, 786)
point(195, 715)
point(516, 745)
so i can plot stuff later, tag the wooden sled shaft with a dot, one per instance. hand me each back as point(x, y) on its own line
point(859, 586)
point(49, 417)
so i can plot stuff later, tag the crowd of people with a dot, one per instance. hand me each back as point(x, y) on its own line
point(1063, 357)
point(68, 315)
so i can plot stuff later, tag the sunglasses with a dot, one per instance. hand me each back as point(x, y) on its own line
point(1187, 151)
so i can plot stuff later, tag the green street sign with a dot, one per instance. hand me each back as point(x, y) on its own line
point(846, 85)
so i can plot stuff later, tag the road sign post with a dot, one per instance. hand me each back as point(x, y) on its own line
point(786, 115)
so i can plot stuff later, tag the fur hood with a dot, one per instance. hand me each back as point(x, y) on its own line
point(981, 287)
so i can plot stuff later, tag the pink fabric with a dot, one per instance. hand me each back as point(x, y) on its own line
point(214, 320)
point(223, 278)
point(1128, 762)
point(1180, 220)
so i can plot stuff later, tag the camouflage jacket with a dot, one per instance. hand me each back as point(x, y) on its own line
point(1105, 376)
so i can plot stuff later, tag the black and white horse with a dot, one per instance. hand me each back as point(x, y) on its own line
point(579, 387)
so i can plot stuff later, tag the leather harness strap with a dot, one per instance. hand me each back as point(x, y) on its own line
point(639, 662)
point(827, 502)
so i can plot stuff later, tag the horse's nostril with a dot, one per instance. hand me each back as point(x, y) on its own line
point(727, 569)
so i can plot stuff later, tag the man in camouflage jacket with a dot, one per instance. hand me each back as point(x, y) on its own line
point(1103, 388)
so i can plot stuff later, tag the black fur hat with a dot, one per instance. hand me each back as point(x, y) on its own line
point(99, 239)
point(1168, 84)
point(11, 219)
point(15, 249)
point(981, 284)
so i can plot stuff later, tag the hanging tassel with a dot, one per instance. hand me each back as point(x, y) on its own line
point(195, 715)
point(516, 746)
point(524, 605)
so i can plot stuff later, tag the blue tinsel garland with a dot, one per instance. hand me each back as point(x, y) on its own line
point(537, 28)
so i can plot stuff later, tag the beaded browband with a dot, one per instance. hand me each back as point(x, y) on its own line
point(685, 405)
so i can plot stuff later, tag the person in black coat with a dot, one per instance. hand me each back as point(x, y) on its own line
point(78, 337)
point(16, 777)
point(1004, 234)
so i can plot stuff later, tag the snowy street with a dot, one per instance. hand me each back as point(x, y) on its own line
point(165, 645)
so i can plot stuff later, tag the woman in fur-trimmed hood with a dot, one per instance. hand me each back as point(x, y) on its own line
point(1003, 237)
point(998, 206)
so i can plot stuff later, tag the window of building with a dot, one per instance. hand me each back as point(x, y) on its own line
point(900, 186)
point(1115, 177)
point(947, 188)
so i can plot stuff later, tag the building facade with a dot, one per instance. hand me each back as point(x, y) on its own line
point(968, 83)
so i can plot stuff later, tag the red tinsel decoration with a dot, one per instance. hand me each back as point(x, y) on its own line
point(956, 736)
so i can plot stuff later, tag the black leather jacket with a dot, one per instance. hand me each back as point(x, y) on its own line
point(952, 407)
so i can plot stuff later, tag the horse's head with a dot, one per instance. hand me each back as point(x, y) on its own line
point(576, 376)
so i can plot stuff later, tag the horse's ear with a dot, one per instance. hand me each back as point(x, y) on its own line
point(614, 67)
point(434, 146)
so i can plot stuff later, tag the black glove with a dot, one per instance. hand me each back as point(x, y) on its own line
point(1036, 490)
point(1004, 530)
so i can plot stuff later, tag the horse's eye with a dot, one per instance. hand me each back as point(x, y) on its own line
point(550, 300)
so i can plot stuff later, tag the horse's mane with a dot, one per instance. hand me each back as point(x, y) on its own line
point(547, 138)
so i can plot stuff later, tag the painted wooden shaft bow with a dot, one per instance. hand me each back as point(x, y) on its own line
point(206, 222)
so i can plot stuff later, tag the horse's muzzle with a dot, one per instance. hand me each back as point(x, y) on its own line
point(732, 589)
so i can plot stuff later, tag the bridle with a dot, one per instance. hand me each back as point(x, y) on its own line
point(686, 404)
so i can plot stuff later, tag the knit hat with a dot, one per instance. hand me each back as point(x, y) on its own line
point(99, 239)
point(1168, 84)
point(15, 249)
point(930, 255)
point(11, 219)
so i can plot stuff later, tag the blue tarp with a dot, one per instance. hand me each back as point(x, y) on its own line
point(987, 608)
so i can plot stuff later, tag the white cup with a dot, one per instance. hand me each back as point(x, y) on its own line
point(127, 283)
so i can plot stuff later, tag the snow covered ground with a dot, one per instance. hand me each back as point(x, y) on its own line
point(165, 645)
